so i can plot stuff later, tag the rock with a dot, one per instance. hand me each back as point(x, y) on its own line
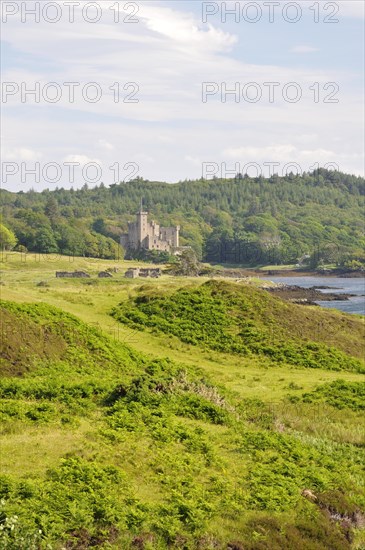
point(104, 275)
point(307, 493)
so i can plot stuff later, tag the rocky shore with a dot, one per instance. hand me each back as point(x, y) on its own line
point(302, 273)
point(235, 272)
point(306, 296)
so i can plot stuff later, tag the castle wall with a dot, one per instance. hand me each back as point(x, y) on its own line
point(124, 241)
point(156, 243)
point(133, 235)
point(171, 235)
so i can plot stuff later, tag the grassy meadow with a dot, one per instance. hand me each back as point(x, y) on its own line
point(175, 413)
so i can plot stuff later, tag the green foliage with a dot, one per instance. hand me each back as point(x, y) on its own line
point(50, 232)
point(228, 318)
point(42, 413)
point(77, 495)
point(152, 256)
point(44, 241)
point(312, 533)
point(15, 535)
point(339, 394)
point(354, 261)
point(286, 461)
point(186, 264)
point(7, 238)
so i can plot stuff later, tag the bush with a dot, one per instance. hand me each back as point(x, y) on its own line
point(339, 394)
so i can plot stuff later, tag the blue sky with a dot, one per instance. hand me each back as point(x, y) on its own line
point(170, 134)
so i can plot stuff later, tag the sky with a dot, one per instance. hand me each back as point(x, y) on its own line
point(179, 90)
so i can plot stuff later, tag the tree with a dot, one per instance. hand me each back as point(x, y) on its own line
point(99, 226)
point(51, 209)
point(7, 238)
point(71, 240)
point(44, 241)
point(187, 265)
point(354, 265)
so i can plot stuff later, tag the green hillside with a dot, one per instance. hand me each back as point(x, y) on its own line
point(50, 337)
point(243, 220)
point(106, 447)
point(241, 319)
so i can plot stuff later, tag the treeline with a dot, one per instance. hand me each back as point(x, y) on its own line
point(315, 217)
point(44, 228)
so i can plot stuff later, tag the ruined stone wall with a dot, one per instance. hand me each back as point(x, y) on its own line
point(71, 275)
point(171, 235)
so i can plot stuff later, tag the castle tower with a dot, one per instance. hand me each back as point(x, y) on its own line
point(176, 237)
point(142, 230)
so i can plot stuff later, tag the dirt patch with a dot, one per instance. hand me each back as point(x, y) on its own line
point(23, 343)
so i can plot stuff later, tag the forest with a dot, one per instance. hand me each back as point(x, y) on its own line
point(313, 218)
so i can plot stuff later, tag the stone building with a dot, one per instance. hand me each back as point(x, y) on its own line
point(135, 272)
point(72, 275)
point(132, 273)
point(150, 235)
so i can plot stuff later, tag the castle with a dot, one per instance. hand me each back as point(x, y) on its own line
point(149, 235)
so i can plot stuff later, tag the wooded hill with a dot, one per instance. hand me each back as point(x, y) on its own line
point(242, 220)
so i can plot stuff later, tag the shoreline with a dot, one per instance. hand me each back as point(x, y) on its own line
point(294, 273)
point(265, 273)
point(307, 296)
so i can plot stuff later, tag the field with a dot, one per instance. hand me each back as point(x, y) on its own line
point(153, 414)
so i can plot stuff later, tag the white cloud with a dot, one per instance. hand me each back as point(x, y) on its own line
point(20, 154)
point(81, 159)
point(184, 29)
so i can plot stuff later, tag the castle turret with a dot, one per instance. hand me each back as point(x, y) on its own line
point(142, 225)
point(176, 236)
